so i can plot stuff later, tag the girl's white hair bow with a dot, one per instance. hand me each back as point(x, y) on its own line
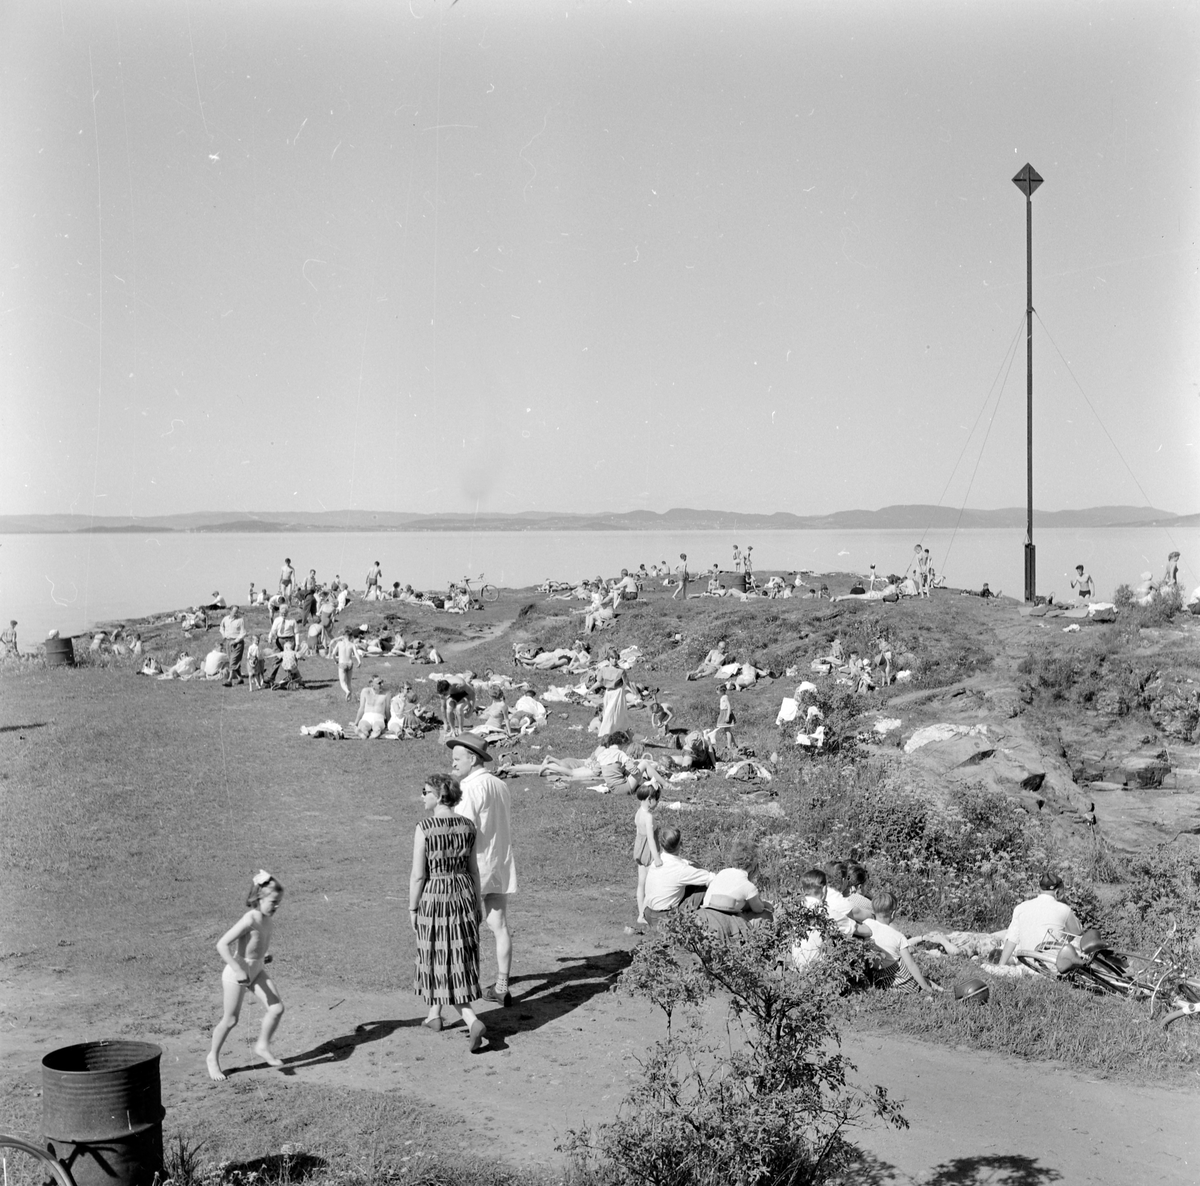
point(262, 877)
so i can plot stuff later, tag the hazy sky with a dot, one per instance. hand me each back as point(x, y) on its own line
point(603, 255)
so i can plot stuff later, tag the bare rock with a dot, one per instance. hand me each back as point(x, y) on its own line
point(1135, 820)
point(1145, 772)
point(1006, 702)
point(1175, 712)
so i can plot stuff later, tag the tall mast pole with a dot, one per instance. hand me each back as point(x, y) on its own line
point(1027, 180)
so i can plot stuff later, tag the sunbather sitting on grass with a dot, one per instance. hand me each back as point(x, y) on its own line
point(713, 661)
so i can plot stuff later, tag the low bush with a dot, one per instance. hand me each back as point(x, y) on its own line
point(766, 1103)
point(963, 862)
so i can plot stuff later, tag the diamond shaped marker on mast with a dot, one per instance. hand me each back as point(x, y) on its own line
point(1027, 180)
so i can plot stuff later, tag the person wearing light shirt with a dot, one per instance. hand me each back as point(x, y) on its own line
point(485, 803)
point(1040, 920)
point(667, 884)
point(822, 898)
point(233, 631)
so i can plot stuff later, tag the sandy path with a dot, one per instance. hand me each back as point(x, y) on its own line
point(990, 1118)
point(561, 1056)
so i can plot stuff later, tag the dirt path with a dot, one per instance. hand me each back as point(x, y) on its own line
point(562, 1055)
point(977, 1117)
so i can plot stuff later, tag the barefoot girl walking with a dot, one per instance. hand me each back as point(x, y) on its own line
point(244, 949)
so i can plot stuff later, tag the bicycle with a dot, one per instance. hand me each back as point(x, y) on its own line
point(487, 593)
point(37, 1165)
point(1089, 961)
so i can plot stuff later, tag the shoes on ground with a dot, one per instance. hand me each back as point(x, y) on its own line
point(498, 998)
point(478, 1032)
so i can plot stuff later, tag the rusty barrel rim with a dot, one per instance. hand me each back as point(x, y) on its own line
point(101, 1091)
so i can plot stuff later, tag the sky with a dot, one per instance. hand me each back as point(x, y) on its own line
point(602, 255)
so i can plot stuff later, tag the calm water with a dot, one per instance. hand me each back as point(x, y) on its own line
point(69, 582)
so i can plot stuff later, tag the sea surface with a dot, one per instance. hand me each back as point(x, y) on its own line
point(72, 582)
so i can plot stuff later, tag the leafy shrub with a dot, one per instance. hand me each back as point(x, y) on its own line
point(768, 1103)
point(963, 862)
point(1163, 608)
point(1160, 903)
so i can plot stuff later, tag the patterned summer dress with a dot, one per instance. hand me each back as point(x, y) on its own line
point(447, 927)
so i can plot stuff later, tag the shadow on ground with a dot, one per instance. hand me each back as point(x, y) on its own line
point(539, 1000)
point(337, 1049)
point(1009, 1170)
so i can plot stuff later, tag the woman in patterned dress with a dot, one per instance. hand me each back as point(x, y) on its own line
point(445, 908)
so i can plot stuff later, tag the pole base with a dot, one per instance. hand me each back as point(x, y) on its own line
point(1030, 573)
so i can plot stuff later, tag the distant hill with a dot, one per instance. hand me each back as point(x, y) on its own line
point(914, 517)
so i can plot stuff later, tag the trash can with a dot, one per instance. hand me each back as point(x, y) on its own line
point(102, 1112)
point(60, 652)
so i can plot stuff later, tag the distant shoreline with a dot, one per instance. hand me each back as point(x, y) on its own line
point(913, 517)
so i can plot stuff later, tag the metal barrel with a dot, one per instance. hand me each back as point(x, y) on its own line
point(102, 1111)
point(60, 652)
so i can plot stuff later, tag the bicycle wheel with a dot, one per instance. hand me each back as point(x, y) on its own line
point(490, 593)
point(24, 1164)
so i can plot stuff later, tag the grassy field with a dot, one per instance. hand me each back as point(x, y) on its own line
point(133, 812)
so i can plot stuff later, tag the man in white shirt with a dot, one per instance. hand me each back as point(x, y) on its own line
point(1040, 920)
point(628, 586)
point(485, 803)
point(667, 884)
point(233, 631)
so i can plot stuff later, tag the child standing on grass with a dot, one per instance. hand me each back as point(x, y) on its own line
point(725, 719)
point(244, 949)
point(254, 664)
point(645, 843)
point(899, 972)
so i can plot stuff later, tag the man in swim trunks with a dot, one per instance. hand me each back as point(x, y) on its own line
point(372, 710)
point(374, 581)
point(9, 639)
point(1083, 584)
point(681, 590)
point(287, 579)
point(347, 656)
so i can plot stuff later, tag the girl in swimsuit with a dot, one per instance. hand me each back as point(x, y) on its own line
point(495, 716)
point(244, 949)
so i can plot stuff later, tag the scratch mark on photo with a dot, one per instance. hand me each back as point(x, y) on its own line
point(521, 154)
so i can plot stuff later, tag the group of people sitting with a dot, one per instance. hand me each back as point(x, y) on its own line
point(460, 697)
point(397, 714)
point(728, 902)
point(115, 642)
